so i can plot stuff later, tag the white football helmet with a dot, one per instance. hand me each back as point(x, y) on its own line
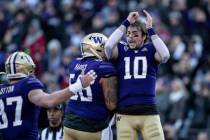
point(93, 45)
point(19, 65)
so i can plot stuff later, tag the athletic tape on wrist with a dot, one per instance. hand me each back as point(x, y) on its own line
point(76, 87)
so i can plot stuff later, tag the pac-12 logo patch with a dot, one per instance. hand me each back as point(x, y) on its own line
point(125, 48)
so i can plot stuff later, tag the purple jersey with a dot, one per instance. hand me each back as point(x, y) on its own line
point(90, 103)
point(18, 116)
point(137, 70)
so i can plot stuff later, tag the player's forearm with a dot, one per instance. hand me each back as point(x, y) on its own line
point(111, 99)
point(61, 96)
point(40, 98)
point(57, 97)
point(109, 86)
point(113, 39)
point(159, 45)
point(161, 48)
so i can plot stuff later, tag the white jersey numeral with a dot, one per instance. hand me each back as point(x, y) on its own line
point(136, 75)
point(3, 115)
point(18, 109)
point(85, 95)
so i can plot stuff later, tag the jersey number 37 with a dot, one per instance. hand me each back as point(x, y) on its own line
point(18, 109)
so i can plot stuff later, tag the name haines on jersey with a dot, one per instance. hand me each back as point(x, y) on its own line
point(18, 116)
point(137, 70)
point(89, 103)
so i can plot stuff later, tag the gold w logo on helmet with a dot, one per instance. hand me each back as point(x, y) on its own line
point(93, 45)
point(96, 39)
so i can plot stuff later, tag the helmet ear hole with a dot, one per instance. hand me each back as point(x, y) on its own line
point(98, 50)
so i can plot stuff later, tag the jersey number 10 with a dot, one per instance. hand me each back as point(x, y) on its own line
point(136, 74)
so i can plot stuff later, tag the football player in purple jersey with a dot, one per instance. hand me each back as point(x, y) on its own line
point(21, 97)
point(137, 63)
point(88, 112)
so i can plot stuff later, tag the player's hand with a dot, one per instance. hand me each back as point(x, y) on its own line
point(3, 78)
point(83, 81)
point(148, 19)
point(88, 78)
point(133, 17)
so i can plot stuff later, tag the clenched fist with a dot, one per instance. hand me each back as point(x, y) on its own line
point(148, 19)
point(133, 17)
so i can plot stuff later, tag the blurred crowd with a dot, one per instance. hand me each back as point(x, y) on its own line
point(51, 30)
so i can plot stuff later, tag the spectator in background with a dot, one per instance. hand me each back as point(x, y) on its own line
point(169, 132)
point(183, 68)
point(177, 47)
point(202, 136)
point(34, 43)
point(75, 34)
point(52, 20)
point(3, 22)
point(202, 105)
point(55, 129)
point(63, 72)
point(177, 105)
point(2, 57)
point(52, 59)
point(50, 80)
point(163, 103)
point(17, 29)
point(175, 20)
point(177, 99)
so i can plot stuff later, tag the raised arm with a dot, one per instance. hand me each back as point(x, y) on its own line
point(40, 98)
point(162, 54)
point(109, 86)
point(111, 50)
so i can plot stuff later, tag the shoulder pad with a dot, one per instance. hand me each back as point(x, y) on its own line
point(106, 69)
point(33, 83)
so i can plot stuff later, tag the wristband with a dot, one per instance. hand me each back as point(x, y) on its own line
point(126, 23)
point(151, 31)
point(76, 87)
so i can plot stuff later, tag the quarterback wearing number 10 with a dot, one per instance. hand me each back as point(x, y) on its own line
point(137, 63)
